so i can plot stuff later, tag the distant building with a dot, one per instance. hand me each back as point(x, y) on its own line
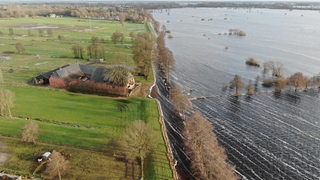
point(96, 60)
point(52, 15)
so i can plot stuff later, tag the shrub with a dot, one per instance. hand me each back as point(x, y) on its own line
point(252, 62)
point(30, 132)
point(60, 37)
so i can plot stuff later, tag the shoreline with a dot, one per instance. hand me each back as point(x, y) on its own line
point(160, 116)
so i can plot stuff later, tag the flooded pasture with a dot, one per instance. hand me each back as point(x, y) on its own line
point(266, 136)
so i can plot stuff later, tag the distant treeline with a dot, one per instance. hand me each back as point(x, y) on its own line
point(133, 10)
point(81, 10)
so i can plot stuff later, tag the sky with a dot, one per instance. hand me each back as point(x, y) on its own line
point(12, 1)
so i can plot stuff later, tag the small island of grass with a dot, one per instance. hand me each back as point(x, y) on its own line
point(252, 62)
point(237, 32)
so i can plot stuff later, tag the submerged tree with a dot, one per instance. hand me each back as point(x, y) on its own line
point(208, 158)
point(315, 81)
point(250, 89)
point(237, 84)
point(30, 132)
point(165, 56)
point(280, 84)
point(275, 67)
point(138, 141)
point(297, 80)
point(180, 100)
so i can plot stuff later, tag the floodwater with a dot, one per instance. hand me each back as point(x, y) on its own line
point(266, 136)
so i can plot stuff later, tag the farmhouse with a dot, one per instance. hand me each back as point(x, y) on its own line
point(83, 78)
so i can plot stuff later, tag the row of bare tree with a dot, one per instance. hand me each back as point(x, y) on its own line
point(208, 159)
point(165, 56)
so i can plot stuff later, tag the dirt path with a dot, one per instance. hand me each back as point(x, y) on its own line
point(3, 153)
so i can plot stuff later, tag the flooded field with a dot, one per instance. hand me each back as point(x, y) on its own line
point(266, 136)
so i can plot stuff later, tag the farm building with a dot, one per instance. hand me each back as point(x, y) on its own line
point(81, 75)
point(96, 60)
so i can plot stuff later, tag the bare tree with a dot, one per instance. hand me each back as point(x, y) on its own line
point(1, 77)
point(250, 89)
point(96, 51)
point(237, 84)
point(6, 102)
point(117, 37)
point(165, 56)
point(11, 32)
point(20, 48)
point(78, 51)
point(297, 80)
point(30, 132)
point(122, 18)
point(57, 166)
point(180, 100)
point(208, 158)
point(315, 81)
point(280, 83)
point(138, 141)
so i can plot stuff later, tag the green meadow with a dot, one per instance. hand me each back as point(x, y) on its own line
point(85, 125)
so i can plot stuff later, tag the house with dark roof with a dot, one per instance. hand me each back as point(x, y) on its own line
point(81, 74)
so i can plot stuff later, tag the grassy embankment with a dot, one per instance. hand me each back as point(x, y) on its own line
point(84, 125)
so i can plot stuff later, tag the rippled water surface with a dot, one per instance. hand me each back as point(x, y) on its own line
point(266, 136)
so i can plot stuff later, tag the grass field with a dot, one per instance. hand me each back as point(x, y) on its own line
point(84, 125)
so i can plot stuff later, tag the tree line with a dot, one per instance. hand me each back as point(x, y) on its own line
point(207, 158)
point(165, 57)
point(142, 53)
point(80, 10)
